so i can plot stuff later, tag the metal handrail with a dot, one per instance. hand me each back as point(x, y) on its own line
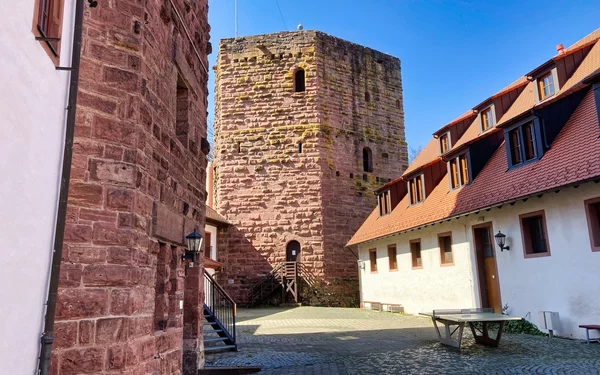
point(221, 305)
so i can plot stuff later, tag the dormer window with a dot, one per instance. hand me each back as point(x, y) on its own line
point(523, 143)
point(416, 190)
point(546, 86)
point(385, 203)
point(488, 120)
point(445, 144)
point(458, 170)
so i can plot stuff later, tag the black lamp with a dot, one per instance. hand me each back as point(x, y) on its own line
point(194, 242)
point(501, 240)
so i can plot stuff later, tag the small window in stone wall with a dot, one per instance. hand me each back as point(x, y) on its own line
point(300, 81)
point(367, 97)
point(367, 160)
point(299, 147)
point(182, 124)
point(165, 288)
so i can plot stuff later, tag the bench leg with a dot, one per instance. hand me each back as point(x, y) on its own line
point(587, 335)
point(447, 338)
point(483, 336)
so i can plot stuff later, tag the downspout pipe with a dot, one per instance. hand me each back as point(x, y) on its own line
point(48, 334)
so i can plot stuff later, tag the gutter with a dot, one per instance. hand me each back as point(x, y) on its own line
point(48, 334)
point(498, 205)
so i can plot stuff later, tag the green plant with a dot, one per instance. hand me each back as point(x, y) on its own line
point(522, 326)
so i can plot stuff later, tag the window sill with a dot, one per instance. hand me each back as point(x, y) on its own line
point(447, 264)
point(394, 270)
point(537, 255)
point(54, 57)
point(418, 268)
point(515, 166)
point(374, 272)
point(481, 131)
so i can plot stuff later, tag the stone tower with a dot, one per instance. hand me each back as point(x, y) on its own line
point(306, 127)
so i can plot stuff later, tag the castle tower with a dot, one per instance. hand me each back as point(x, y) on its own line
point(306, 127)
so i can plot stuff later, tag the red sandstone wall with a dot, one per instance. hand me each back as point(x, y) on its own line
point(360, 100)
point(137, 187)
point(264, 185)
point(271, 192)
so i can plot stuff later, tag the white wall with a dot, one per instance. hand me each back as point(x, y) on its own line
point(421, 290)
point(33, 98)
point(213, 243)
point(567, 281)
point(213, 240)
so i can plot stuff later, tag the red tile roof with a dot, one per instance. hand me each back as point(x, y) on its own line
point(496, 185)
point(523, 103)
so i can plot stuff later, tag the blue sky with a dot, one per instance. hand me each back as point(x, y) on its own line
point(454, 54)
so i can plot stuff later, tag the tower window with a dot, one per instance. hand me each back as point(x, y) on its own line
point(367, 97)
point(367, 160)
point(299, 81)
point(299, 147)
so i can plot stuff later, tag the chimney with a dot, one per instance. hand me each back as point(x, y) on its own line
point(210, 175)
point(560, 49)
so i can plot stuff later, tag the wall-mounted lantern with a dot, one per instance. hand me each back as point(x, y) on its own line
point(361, 264)
point(194, 242)
point(501, 240)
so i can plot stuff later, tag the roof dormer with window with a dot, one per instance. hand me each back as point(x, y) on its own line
point(416, 189)
point(523, 142)
point(445, 143)
point(487, 118)
point(459, 173)
point(384, 200)
point(546, 85)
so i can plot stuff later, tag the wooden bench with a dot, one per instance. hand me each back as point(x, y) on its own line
point(587, 330)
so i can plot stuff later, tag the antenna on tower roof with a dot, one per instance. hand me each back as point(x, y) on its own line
point(300, 27)
point(236, 18)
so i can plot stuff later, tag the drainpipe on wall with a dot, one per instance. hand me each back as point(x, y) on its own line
point(48, 333)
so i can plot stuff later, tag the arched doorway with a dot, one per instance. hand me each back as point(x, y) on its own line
point(292, 251)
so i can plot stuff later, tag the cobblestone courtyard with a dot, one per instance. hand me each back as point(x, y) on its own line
point(317, 340)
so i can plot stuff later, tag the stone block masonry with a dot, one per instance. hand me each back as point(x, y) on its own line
point(127, 302)
point(289, 164)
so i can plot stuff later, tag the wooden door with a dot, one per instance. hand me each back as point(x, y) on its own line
point(207, 245)
point(292, 251)
point(487, 269)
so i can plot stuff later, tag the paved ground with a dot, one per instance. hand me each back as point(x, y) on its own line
point(332, 341)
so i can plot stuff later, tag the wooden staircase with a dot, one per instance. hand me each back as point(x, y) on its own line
point(219, 317)
point(285, 277)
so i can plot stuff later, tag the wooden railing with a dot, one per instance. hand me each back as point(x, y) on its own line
point(220, 305)
point(288, 276)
